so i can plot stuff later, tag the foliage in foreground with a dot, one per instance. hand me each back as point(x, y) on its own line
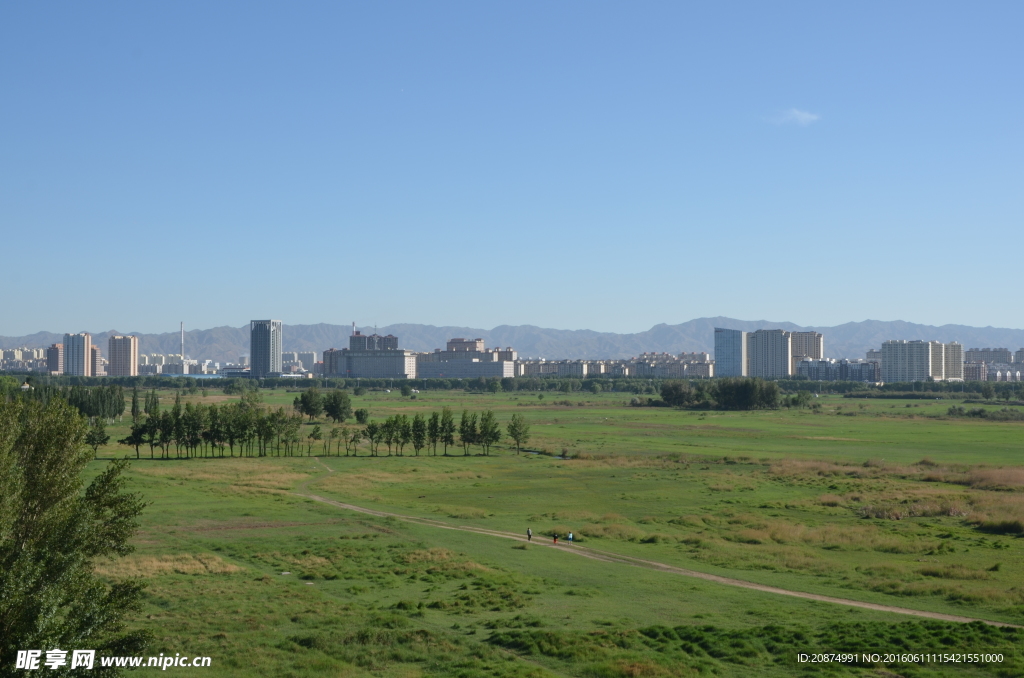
point(51, 533)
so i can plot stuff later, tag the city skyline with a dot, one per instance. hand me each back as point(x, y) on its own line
point(628, 131)
point(768, 353)
point(850, 340)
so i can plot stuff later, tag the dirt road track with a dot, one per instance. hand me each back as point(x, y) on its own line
point(605, 556)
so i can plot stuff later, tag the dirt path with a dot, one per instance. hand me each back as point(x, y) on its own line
point(605, 556)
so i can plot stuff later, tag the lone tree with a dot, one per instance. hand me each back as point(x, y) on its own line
point(51, 533)
point(311, 403)
point(97, 436)
point(519, 431)
point(338, 406)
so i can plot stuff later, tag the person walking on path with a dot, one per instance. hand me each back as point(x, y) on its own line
point(570, 539)
point(555, 537)
point(529, 534)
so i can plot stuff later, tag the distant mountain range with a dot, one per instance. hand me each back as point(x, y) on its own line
point(850, 340)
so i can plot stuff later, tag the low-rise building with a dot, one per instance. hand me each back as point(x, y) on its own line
point(1004, 372)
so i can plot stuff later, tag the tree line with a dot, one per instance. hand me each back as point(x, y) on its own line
point(247, 428)
point(729, 393)
point(97, 402)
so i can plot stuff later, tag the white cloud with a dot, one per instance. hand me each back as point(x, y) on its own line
point(795, 116)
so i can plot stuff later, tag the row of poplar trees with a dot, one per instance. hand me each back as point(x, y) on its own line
point(247, 428)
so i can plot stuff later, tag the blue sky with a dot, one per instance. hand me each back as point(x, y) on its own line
point(575, 165)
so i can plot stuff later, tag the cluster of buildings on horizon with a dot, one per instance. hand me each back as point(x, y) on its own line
point(766, 353)
point(778, 354)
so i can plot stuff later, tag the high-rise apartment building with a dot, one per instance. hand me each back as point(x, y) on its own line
point(265, 341)
point(55, 359)
point(289, 357)
point(96, 366)
point(390, 363)
point(988, 355)
point(1018, 356)
point(78, 354)
point(730, 353)
point(937, 370)
point(954, 361)
point(123, 352)
point(809, 345)
point(460, 344)
point(372, 342)
point(904, 360)
point(769, 354)
point(308, 360)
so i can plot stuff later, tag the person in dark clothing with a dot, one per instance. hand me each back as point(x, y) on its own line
point(555, 537)
point(529, 534)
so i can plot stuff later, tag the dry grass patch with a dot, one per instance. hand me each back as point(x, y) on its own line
point(614, 461)
point(613, 531)
point(461, 512)
point(443, 559)
point(240, 472)
point(1000, 512)
point(765, 557)
point(952, 572)
point(148, 566)
point(249, 491)
point(576, 516)
point(306, 561)
point(996, 478)
point(433, 555)
point(866, 538)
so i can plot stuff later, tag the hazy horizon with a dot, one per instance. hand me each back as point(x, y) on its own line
point(362, 327)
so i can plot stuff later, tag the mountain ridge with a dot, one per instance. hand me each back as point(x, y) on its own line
point(848, 340)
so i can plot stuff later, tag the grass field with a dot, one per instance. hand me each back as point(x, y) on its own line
point(865, 500)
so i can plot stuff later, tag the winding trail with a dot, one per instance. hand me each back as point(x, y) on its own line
point(607, 557)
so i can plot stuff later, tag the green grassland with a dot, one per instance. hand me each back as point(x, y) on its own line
point(867, 500)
